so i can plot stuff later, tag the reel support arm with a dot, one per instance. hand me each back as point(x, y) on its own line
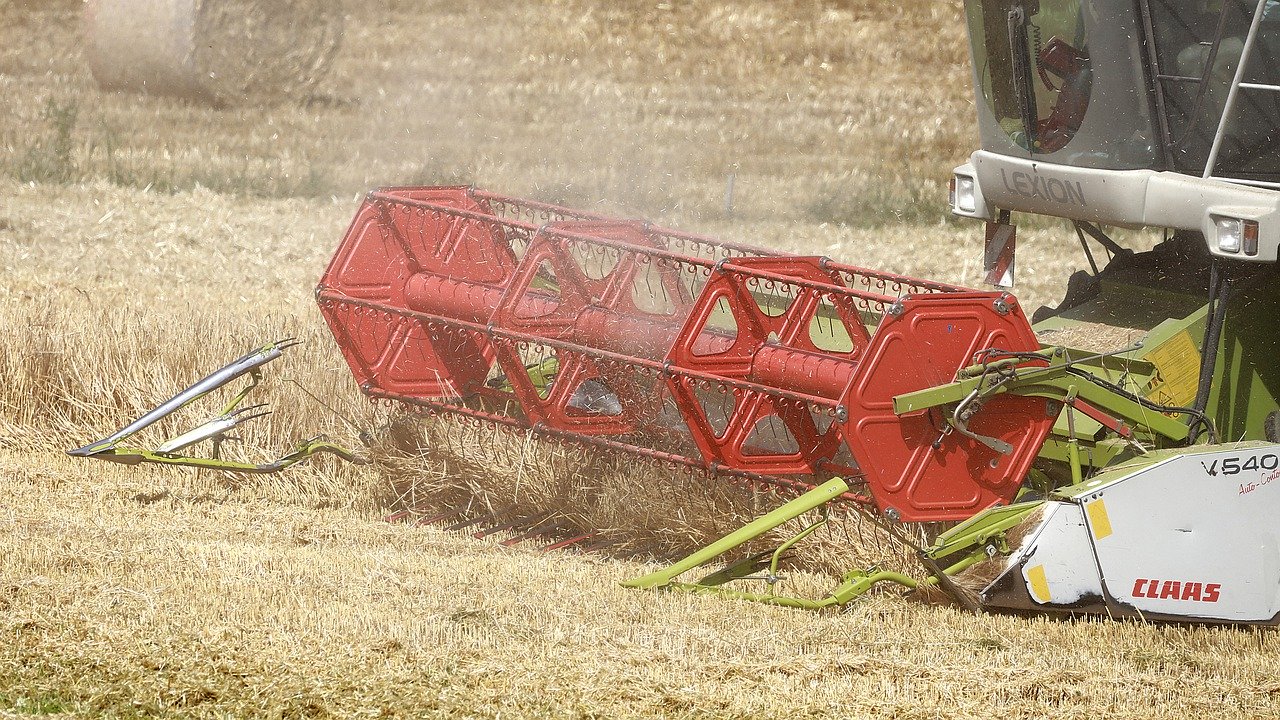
point(1058, 381)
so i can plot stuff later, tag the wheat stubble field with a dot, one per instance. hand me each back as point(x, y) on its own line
point(145, 241)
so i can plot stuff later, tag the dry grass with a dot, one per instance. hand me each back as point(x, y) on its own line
point(130, 593)
point(636, 507)
point(145, 241)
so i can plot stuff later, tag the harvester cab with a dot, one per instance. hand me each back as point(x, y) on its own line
point(1132, 114)
point(1147, 114)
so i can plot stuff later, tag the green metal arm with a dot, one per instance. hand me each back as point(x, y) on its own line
point(854, 584)
point(969, 543)
point(1054, 382)
point(821, 495)
point(964, 546)
point(135, 456)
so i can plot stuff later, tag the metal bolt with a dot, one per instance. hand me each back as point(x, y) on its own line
point(896, 309)
point(893, 514)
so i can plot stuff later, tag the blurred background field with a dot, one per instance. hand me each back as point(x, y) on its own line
point(147, 240)
point(839, 122)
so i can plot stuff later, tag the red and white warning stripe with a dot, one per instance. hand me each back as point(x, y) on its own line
point(998, 255)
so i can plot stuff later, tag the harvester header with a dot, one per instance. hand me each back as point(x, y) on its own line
point(1079, 453)
point(679, 348)
point(905, 399)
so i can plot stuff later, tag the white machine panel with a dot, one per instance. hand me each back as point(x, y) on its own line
point(1195, 535)
point(1059, 567)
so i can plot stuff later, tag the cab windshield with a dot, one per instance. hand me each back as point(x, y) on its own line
point(1119, 84)
point(1062, 79)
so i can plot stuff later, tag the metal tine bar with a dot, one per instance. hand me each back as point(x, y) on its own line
point(547, 527)
point(237, 368)
point(514, 336)
point(894, 278)
point(566, 543)
point(512, 525)
point(439, 517)
point(657, 455)
point(535, 205)
point(649, 251)
point(745, 385)
point(734, 246)
point(531, 228)
point(664, 231)
point(482, 518)
point(827, 288)
point(717, 243)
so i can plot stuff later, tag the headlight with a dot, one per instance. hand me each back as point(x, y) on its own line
point(963, 195)
point(1236, 235)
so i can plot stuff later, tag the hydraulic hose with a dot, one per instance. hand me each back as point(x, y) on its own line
point(1219, 295)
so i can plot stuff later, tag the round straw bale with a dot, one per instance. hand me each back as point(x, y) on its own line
point(222, 52)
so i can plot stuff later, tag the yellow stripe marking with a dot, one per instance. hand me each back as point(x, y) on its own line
point(1039, 583)
point(1098, 519)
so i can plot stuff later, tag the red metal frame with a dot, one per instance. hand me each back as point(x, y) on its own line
point(674, 346)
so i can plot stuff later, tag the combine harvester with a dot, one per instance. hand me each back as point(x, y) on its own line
point(1090, 473)
point(1118, 456)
